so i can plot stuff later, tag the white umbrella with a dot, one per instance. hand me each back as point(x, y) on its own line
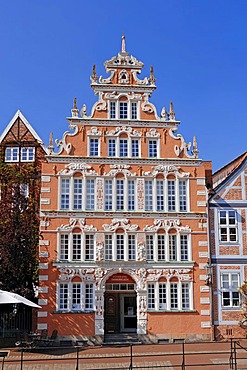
point(8, 297)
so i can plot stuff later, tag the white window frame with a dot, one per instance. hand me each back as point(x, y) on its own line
point(130, 111)
point(30, 154)
point(85, 302)
point(116, 194)
point(114, 251)
point(9, 154)
point(115, 150)
point(66, 240)
point(90, 148)
point(228, 226)
point(175, 300)
point(231, 289)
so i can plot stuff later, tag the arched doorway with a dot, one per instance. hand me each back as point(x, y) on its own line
point(120, 305)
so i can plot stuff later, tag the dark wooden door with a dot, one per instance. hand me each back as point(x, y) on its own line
point(111, 313)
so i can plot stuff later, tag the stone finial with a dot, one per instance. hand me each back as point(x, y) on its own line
point(163, 113)
point(51, 146)
point(74, 111)
point(152, 79)
point(171, 113)
point(195, 150)
point(83, 111)
point(123, 44)
point(94, 77)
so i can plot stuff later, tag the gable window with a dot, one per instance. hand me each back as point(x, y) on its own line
point(112, 109)
point(65, 185)
point(123, 147)
point(134, 110)
point(77, 193)
point(230, 293)
point(94, 147)
point(171, 195)
point(112, 147)
point(227, 226)
point(135, 148)
point(27, 154)
point(152, 148)
point(11, 154)
point(123, 110)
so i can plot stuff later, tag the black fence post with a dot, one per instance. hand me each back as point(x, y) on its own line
point(21, 358)
point(183, 358)
point(77, 358)
point(235, 355)
point(131, 358)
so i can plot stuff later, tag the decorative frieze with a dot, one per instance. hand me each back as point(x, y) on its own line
point(120, 223)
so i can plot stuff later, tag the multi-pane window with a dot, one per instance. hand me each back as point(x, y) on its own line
point(172, 247)
point(120, 247)
point(131, 247)
point(89, 247)
point(76, 249)
point(76, 296)
point(160, 195)
point(174, 296)
point(182, 196)
point(77, 193)
point(64, 247)
point(170, 296)
point(90, 194)
point(112, 109)
point(108, 195)
point(63, 296)
point(162, 296)
point(108, 247)
point(65, 188)
point(134, 110)
point(171, 195)
point(149, 247)
point(27, 154)
point(230, 289)
point(151, 296)
point(185, 296)
point(112, 147)
point(131, 195)
point(120, 195)
point(123, 110)
point(228, 226)
point(152, 148)
point(135, 148)
point(148, 195)
point(161, 247)
point(93, 146)
point(123, 147)
point(89, 295)
point(11, 154)
point(184, 250)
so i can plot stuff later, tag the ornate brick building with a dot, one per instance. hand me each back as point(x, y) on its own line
point(124, 223)
point(228, 244)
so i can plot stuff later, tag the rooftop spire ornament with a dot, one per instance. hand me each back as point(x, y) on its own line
point(75, 110)
point(171, 113)
point(123, 44)
point(94, 77)
point(195, 150)
point(51, 146)
point(152, 79)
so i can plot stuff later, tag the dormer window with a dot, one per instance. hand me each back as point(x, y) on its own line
point(123, 110)
point(26, 154)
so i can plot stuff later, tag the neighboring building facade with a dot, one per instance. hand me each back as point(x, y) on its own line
point(123, 218)
point(22, 152)
point(228, 244)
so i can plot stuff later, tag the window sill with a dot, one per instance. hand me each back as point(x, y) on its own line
point(71, 312)
point(171, 311)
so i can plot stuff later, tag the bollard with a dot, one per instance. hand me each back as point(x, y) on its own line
point(131, 356)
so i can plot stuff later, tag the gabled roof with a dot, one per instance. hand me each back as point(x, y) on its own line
point(227, 172)
point(18, 114)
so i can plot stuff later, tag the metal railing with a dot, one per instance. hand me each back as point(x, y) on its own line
point(134, 356)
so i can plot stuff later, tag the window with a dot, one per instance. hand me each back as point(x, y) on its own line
point(161, 247)
point(108, 247)
point(135, 148)
point(24, 190)
point(27, 154)
point(172, 247)
point(89, 294)
point(131, 195)
point(227, 226)
point(11, 154)
point(160, 195)
point(76, 250)
point(112, 109)
point(131, 247)
point(108, 195)
point(65, 185)
point(76, 296)
point(184, 250)
point(120, 247)
point(134, 110)
point(64, 247)
point(77, 193)
point(170, 296)
point(171, 195)
point(148, 195)
point(90, 194)
point(63, 296)
point(112, 147)
point(123, 147)
point(120, 195)
point(123, 110)
point(229, 285)
point(182, 196)
point(94, 147)
point(150, 247)
point(152, 148)
point(89, 248)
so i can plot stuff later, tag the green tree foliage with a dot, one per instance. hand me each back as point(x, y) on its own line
point(19, 229)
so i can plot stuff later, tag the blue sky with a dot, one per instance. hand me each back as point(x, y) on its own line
point(198, 49)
